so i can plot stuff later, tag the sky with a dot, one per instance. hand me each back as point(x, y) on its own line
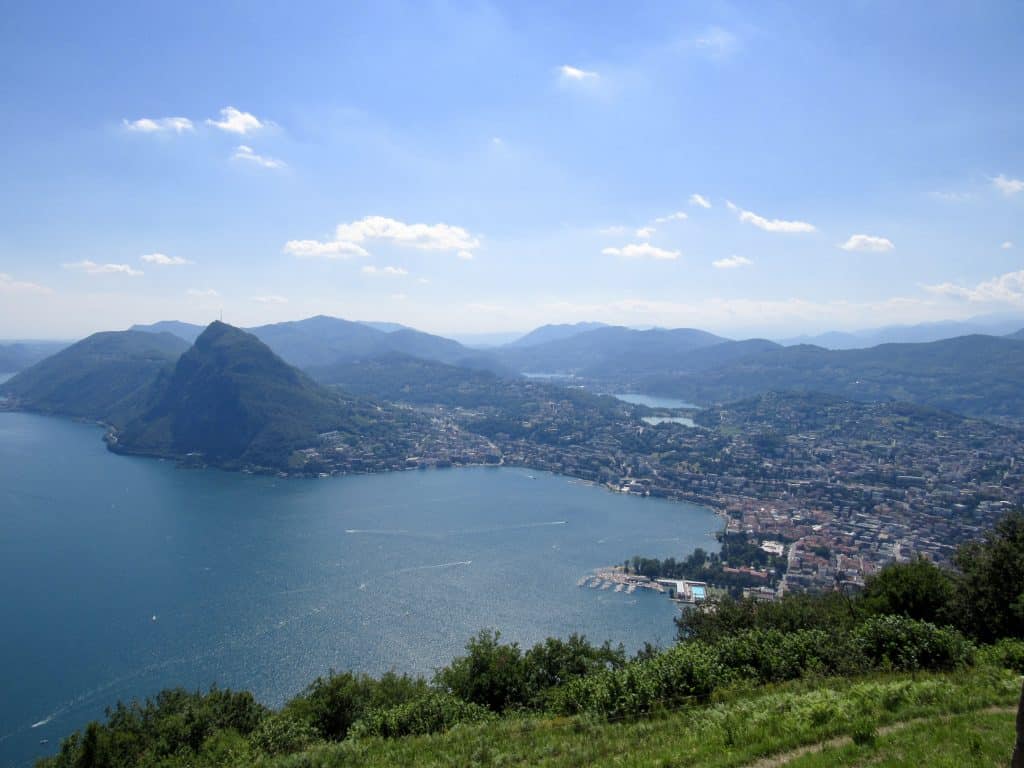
point(753, 169)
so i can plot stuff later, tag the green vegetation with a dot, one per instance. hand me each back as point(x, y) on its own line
point(103, 377)
point(738, 550)
point(235, 403)
point(976, 740)
point(977, 375)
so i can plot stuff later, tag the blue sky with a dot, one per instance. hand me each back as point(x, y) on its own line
point(750, 168)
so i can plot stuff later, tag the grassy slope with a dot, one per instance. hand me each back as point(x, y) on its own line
point(740, 728)
point(979, 740)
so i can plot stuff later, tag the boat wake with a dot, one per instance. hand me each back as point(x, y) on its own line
point(433, 567)
point(43, 722)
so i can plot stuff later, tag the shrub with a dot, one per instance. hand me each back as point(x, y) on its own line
point(330, 705)
point(687, 673)
point(283, 733)
point(898, 643)
point(1007, 653)
point(433, 713)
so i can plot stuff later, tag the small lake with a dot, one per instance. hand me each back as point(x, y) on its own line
point(654, 402)
point(120, 576)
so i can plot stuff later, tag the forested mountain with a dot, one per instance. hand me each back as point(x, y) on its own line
point(989, 325)
point(19, 355)
point(974, 375)
point(555, 332)
point(232, 400)
point(608, 351)
point(187, 331)
point(321, 341)
point(100, 377)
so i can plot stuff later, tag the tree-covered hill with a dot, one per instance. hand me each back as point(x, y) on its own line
point(234, 402)
point(979, 376)
point(101, 377)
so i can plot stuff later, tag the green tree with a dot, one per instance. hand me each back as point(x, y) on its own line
point(990, 590)
point(918, 590)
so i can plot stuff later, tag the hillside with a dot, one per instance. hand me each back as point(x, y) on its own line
point(232, 400)
point(609, 352)
point(972, 375)
point(1017, 335)
point(553, 332)
point(101, 377)
point(187, 331)
point(19, 355)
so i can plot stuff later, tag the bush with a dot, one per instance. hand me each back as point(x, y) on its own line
point(1006, 654)
point(684, 674)
point(283, 733)
point(330, 705)
point(894, 642)
point(434, 713)
point(769, 655)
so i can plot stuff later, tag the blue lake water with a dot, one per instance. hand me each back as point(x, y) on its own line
point(654, 402)
point(120, 576)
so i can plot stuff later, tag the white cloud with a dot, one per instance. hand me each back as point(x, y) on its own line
point(384, 271)
point(570, 74)
point(867, 243)
point(202, 293)
point(9, 285)
point(426, 237)
point(269, 299)
point(314, 249)
point(677, 216)
point(700, 200)
point(177, 125)
point(1004, 289)
point(245, 152)
point(644, 233)
point(615, 229)
point(1007, 245)
point(770, 225)
point(717, 41)
point(399, 296)
point(731, 262)
point(163, 260)
point(92, 268)
point(641, 251)
point(236, 121)
point(1007, 185)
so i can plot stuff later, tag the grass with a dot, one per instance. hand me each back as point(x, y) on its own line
point(736, 729)
point(975, 740)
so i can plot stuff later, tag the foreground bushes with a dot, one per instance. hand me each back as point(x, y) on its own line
point(433, 713)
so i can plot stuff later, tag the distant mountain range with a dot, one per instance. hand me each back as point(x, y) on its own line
point(321, 341)
point(980, 376)
point(605, 351)
point(988, 325)
point(18, 355)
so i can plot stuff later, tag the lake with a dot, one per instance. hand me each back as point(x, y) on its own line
point(120, 576)
point(655, 402)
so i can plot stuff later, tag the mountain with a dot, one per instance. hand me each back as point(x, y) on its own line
point(989, 325)
point(100, 377)
point(610, 351)
point(548, 333)
point(231, 399)
point(1018, 335)
point(383, 326)
point(976, 375)
point(187, 331)
point(19, 355)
